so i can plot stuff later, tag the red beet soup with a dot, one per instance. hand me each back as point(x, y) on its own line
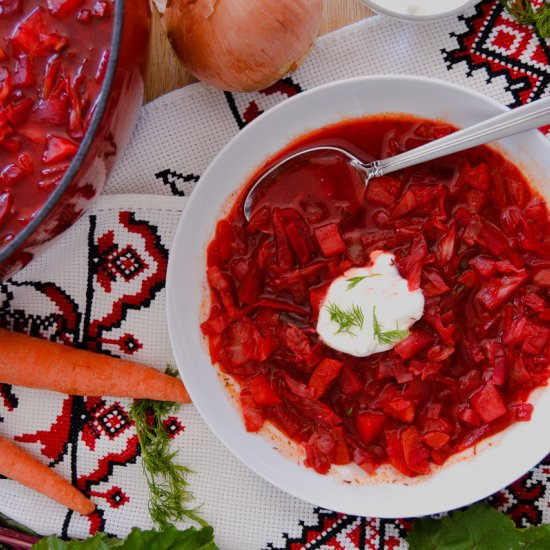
point(467, 229)
point(53, 58)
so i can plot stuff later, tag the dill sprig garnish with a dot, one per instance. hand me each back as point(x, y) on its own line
point(524, 13)
point(354, 281)
point(389, 337)
point(168, 486)
point(346, 319)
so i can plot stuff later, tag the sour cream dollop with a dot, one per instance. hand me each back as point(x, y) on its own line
point(369, 309)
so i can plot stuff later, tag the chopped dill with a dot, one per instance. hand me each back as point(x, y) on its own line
point(389, 337)
point(346, 320)
point(166, 479)
point(354, 281)
point(349, 411)
point(524, 13)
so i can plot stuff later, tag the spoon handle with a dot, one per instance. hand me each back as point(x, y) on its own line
point(521, 119)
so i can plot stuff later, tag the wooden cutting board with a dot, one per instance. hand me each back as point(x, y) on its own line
point(166, 73)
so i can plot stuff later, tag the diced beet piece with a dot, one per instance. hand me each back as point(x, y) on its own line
point(62, 8)
point(323, 376)
point(365, 460)
point(18, 112)
point(401, 409)
point(57, 149)
point(330, 240)
point(394, 448)
point(35, 34)
point(350, 383)
point(341, 453)
point(262, 392)
point(369, 426)
point(470, 416)
point(488, 403)
point(253, 416)
point(415, 453)
point(382, 190)
point(416, 341)
point(435, 439)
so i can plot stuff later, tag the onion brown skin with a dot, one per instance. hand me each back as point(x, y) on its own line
point(242, 45)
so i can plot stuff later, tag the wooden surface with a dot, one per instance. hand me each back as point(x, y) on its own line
point(166, 72)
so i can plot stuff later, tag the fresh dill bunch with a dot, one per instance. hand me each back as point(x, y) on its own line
point(167, 480)
point(346, 320)
point(354, 281)
point(389, 337)
point(524, 13)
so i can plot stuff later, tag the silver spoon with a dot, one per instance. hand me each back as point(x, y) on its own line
point(521, 119)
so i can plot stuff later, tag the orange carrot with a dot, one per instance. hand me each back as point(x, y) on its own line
point(36, 363)
point(16, 464)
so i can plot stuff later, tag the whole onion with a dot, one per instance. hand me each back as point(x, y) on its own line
point(242, 45)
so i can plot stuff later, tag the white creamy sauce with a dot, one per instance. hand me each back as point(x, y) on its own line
point(369, 309)
point(420, 7)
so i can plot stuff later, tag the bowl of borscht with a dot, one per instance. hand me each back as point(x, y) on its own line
point(71, 86)
point(379, 351)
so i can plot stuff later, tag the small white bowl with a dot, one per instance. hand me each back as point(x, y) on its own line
point(466, 478)
point(419, 10)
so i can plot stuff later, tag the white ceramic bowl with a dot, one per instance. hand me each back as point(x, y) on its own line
point(420, 10)
point(464, 479)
